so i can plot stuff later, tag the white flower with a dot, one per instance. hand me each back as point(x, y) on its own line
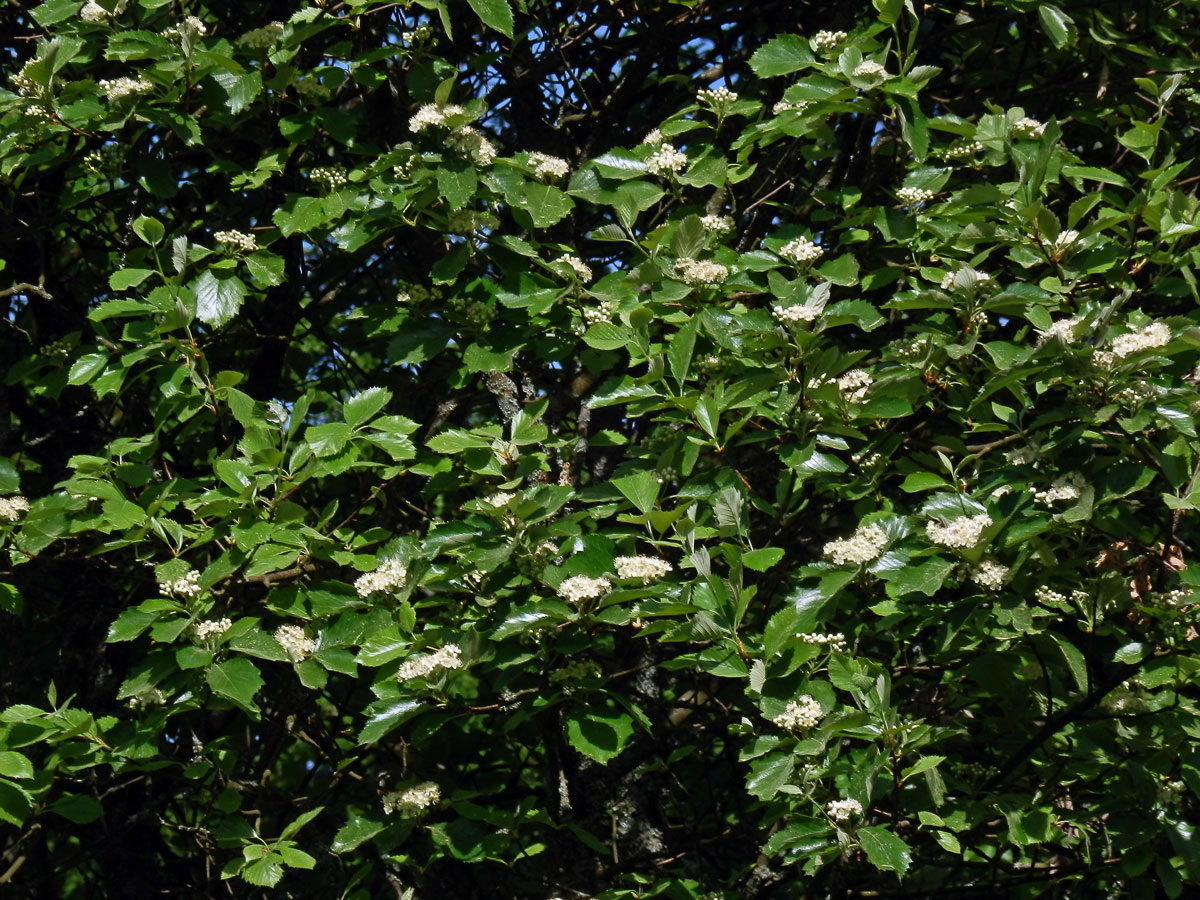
point(388, 576)
point(868, 68)
point(595, 315)
point(469, 141)
point(238, 240)
point(784, 105)
point(802, 713)
point(1063, 329)
point(863, 546)
point(431, 115)
point(825, 41)
point(190, 27)
point(842, 810)
point(990, 574)
point(794, 315)
point(419, 34)
point(93, 12)
point(1028, 129)
point(1066, 487)
point(293, 639)
point(653, 136)
point(12, 508)
point(262, 38)
point(581, 587)
point(581, 269)
point(118, 88)
point(446, 657)
point(700, 271)
point(548, 167)
point(1156, 334)
point(329, 177)
point(911, 196)
point(666, 160)
point(962, 149)
point(412, 801)
point(721, 96)
point(963, 532)
point(1049, 596)
point(717, 224)
point(833, 641)
point(210, 627)
point(854, 385)
point(187, 585)
point(801, 251)
point(645, 568)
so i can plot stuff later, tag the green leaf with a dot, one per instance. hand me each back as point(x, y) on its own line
point(265, 872)
point(87, 367)
point(126, 278)
point(327, 440)
point(218, 299)
point(364, 405)
point(640, 488)
point(598, 733)
point(769, 774)
point(15, 765)
point(355, 832)
point(383, 716)
point(607, 336)
point(149, 230)
point(762, 559)
point(1057, 24)
point(457, 182)
point(236, 679)
point(240, 90)
point(15, 803)
point(843, 270)
point(545, 204)
point(495, 14)
point(781, 55)
point(884, 850)
point(924, 764)
point(78, 808)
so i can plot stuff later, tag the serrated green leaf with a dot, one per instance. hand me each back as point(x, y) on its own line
point(884, 850)
point(364, 405)
point(781, 55)
point(598, 733)
point(495, 14)
point(236, 679)
point(218, 299)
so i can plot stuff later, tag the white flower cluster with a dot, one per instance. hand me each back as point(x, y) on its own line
point(842, 810)
point(329, 177)
point(187, 585)
point(784, 105)
point(262, 38)
point(210, 627)
point(293, 639)
point(413, 800)
point(868, 68)
point(863, 546)
point(1028, 129)
point(833, 641)
point(595, 315)
point(1066, 487)
point(653, 136)
point(913, 349)
point(717, 224)
point(576, 670)
point(388, 576)
point(826, 41)
point(546, 166)
point(721, 96)
point(431, 115)
point(1063, 329)
point(666, 160)
point(1051, 597)
point(965, 277)
point(642, 568)
point(581, 269)
point(118, 88)
point(93, 13)
point(962, 149)
point(147, 699)
point(580, 587)
point(854, 385)
point(12, 508)
point(411, 292)
point(698, 272)
point(801, 251)
point(802, 713)
point(990, 574)
point(447, 657)
point(1156, 334)
point(911, 196)
point(468, 140)
point(1176, 598)
point(191, 27)
point(963, 532)
point(1138, 393)
point(238, 240)
point(794, 315)
point(500, 499)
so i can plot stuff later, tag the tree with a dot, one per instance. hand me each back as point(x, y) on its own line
point(540, 450)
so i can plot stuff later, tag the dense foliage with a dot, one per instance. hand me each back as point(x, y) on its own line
point(526, 449)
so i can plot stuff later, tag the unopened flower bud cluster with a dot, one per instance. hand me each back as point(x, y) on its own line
point(962, 149)
point(410, 292)
point(12, 508)
point(801, 251)
point(826, 41)
point(717, 224)
point(581, 587)
point(990, 574)
point(641, 568)
point(293, 639)
point(420, 33)
point(1050, 597)
point(471, 142)
point(329, 177)
point(794, 315)
point(191, 27)
point(653, 136)
point(912, 350)
point(911, 196)
point(210, 627)
point(666, 160)
point(717, 97)
point(119, 88)
point(863, 546)
point(843, 810)
point(447, 657)
point(854, 385)
point(1066, 487)
point(600, 312)
point(576, 671)
point(835, 641)
point(868, 68)
point(412, 801)
point(388, 576)
point(700, 272)
point(187, 585)
point(963, 532)
point(1175, 599)
point(800, 714)
point(262, 38)
point(238, 240)
point(1028, 128)
point(581, 270)
point(784, 105)
point(548, 167)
